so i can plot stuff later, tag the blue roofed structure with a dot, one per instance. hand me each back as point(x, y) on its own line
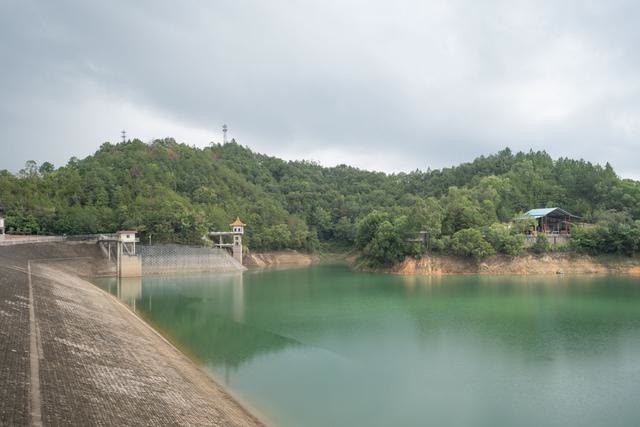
point(541, 212)
point(550, 220)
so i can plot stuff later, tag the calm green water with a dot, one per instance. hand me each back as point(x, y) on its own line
point(325, 346)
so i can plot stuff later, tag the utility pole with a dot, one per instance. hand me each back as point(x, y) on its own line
point(124, 135)
point(224, 133)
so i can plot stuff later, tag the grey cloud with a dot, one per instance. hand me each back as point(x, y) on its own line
point(435, 82)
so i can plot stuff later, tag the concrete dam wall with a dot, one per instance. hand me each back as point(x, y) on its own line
point(175, 259)
point(72, 354)
point(151, 260)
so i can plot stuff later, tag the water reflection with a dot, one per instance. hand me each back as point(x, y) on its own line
point(205, 313)
point(238, 298)
point(229, 319)
point(540, 317)
point(393, 350)
point(129, 290)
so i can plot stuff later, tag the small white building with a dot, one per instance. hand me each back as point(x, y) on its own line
point(127, 241)
point(127, 236)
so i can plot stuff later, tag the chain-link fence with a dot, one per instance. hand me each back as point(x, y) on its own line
point(172, 259)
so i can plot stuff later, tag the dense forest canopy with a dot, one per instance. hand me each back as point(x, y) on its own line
point(175, 192)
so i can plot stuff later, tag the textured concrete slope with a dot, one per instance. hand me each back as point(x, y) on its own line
point(14, 347)
point(97, 363)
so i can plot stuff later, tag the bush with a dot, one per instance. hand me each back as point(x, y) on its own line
point(470, 242)
point(441, 244)
point(22, 223)
point(586, 239)
point(541, 245)
point(368, 226)
point(383, 242)
point(614, 233)
point(276, 237)
point(505, 240)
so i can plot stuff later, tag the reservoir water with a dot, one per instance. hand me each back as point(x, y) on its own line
point(326, 346)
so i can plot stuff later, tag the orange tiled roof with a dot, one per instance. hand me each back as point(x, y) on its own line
point(237, 222)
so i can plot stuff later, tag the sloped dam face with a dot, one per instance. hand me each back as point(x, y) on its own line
point(325, 345)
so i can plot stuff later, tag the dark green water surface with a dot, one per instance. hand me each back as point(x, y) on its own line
point(326, 346)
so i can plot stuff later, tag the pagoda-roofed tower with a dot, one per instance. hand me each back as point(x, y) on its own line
point(237, 226)
point(237, 230)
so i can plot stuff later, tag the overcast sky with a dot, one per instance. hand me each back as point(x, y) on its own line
point(387, 85)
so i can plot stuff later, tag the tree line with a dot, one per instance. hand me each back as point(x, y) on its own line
point(175, 192)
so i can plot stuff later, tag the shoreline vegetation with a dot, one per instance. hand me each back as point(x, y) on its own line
point(175, 193)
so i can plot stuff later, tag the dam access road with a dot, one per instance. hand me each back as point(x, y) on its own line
point(71, 354)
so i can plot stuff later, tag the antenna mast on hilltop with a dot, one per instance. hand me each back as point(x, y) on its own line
point(224, 133)
point(124, 135)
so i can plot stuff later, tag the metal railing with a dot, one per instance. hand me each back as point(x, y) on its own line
point(30, 239)
point(8, 240)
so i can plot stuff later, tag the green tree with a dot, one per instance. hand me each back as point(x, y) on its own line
point(426, 215)
point(461, 211)
point(276, 237)
point(386, 247)
point(368, 226)
point(46, 168)
point(178, 192)
point(541, 245)
point(505, 239)
point(614, 233)
point(345, 231)
point(470, 243)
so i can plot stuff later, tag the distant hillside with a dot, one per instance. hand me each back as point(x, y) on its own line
point(174, 192)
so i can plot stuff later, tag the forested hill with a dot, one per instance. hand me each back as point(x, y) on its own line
point(175, 192)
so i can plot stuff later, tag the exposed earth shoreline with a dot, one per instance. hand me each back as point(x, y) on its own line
point(552, 263)
point(283, 258)
point(437, 265)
